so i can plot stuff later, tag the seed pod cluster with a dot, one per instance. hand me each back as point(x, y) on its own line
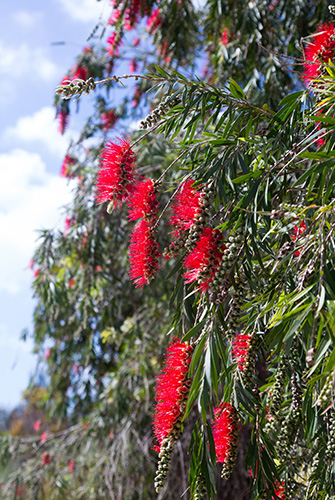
point(278, 387)
point(201, 217)
point(75, 87)
point(330, 450)
point(227, 467)
point(327, 391)
point(250, 361)
point(238, 297)
point(200, 488)
point(219, 287)
point(290, 426)
point(158, 113)
point(163, 464)
point(175, 247)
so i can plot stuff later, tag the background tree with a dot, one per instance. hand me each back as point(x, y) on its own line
point(223, 198)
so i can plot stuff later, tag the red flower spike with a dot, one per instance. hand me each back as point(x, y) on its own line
point(116, 175)
point(185, 207)
point(113, 45)
point(320, 51)
point(44, 436)
point(114, 17)
point(224, 37)
point(171, 389)
point(79, 72)
point(204, 259)
point(224, 431)
point(154, 21)
point(142, 201)
point(280, 491)
point(46, 459)
point(37, 425)
point(143, 254)
point(298, 231)
point(133, 66)
point(108, 120)
point(68, 162)
point(63, 122)
point(241, 345)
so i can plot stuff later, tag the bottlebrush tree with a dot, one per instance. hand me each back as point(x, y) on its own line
point(214, 172)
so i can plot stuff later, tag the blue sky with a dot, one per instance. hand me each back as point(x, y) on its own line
point(31, 154)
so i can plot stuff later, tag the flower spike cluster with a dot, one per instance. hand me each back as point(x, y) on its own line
point(143, 254)
point(68, 162)
point(143, 200)
point(109, 118)
point(244, 353)
point(143, 251)
point(185, 207)
point(171, 394)
point(116, 175)
point(202, 262)
point(225, 435)
point(241, 345)
point(320, 51)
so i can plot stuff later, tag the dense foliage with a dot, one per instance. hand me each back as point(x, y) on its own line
point(223, 198)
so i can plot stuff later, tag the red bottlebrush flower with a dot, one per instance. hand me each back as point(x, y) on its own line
point(46, 458)
point(79, 72)
point(297, 231)
point(116, 173)
point(224, 37)
point(143, 254)
point(203, 260)
point(154, 21)
point(65, 170)
point(67, 224)
point(37, 425)
point(31, 263)
point(71, 282)
point(225, 430)
point(114, 17)
point(142, 201)
point(76, 369)
point(71, 466)
point(44, 436)
point(132, 66)
point(63, 117)
point(131, 18)
point(113, 45)
point(136, 41)
point(280, 491)
point(37, 272)
point(186, 205)
point(319, 52)
point(20, 491)
point(136, 98)
point(241, 345)
point(47, 353)
point(171, 389)
point(163, 50)
point(109, 118)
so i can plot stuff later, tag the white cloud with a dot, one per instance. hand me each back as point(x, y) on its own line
point(83, 10)
point(29, 200)
point(7, 340)
point(24, 61)
point(26, 19)
point(17, 365)
point(41, 127)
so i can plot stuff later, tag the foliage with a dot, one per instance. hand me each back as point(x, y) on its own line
point(249, 285)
